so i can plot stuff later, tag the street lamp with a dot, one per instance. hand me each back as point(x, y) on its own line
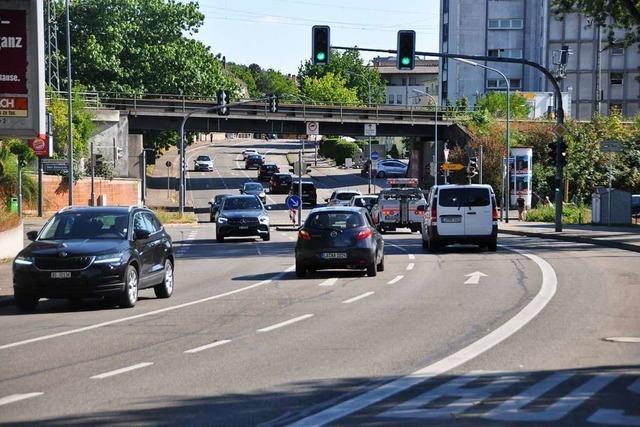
point(369, 104)
point(506, 195)
point(435, 103)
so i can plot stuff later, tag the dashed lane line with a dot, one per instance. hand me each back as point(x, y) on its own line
point(207, 346)
point(359, 297)
point(410, 266)
point(412, 256)
point(18, 397)
point(285, 323)
point(121, 370)
point(329, 282)
point(278, 276)
point(395, 280)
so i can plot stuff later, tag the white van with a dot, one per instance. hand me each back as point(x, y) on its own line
point(460, 214)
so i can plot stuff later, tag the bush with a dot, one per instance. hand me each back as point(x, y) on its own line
point(345, 149)
point(7, 220)
point(394, 153)
point(328, 147)
point(571, 214)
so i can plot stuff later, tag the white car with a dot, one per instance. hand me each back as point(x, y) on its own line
point(391, 167)
point(465, 214)
point(254, 189)
point(342, 197)
point(203, 163)
point(249, 152)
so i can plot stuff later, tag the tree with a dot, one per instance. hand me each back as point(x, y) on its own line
point(611, 14)
point(274, 82)
point(350, 66)
point(10, 151)
point(82, 123)
point(496, 104)
point(329, 88)
point(246, 75)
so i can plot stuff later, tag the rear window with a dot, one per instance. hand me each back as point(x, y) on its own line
point(335, 220)
point(345, 196)
point(411, 194)
point(456, 197)
point(305, 186)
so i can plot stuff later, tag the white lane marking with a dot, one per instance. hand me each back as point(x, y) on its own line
point(623, 339)
point(121, 370)
point(410, 266)
point(258, 248)
point(359, 297)
point(150, 313)
point(412, 256)
point(329, 282)
point(397, 247)
point(18, 397)
point(474, 278)
point(291, 238)
point(207, 346)
point(510, 327)
point(285, 323)
point(395, 280)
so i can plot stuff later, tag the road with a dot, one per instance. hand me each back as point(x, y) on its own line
point(426, 342)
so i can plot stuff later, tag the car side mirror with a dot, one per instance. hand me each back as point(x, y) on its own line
point(141, 234)
point(210, 203)
point(32, 235)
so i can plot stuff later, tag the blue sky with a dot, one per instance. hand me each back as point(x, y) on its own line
point(277, 33)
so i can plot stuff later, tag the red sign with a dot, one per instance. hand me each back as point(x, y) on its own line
point(13, 51)
point(13, 106)
point(40, 145)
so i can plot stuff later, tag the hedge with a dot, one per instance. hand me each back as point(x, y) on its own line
point(345, 149)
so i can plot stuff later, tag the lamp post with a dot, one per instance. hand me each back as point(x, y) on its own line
point(435, 157)
point(70, 107)
point(505, 183)
point(368, 105)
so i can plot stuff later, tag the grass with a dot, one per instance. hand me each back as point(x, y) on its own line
point(167, 217)
point(571, 214)
point(8, 220)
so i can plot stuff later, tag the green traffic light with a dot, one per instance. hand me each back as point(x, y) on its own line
point(406, 60)
point(320, 56)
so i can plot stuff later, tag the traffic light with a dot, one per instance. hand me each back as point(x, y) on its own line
point(552, 149)
point(564, 55)
point(320, 46)
point(563, 153)
point(273, 103)
point(223, 101)
point(472, 167)
point(21, 162)
point(406, 50)
point(97, 160)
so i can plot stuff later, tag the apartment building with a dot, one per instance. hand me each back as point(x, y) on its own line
point(405, 87)
point(527, 29)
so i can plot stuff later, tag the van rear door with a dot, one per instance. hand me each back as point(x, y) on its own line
point(451, 211)
point(478, 212)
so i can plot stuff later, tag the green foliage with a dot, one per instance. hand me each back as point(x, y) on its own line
point(82, 126)
point(496, 104)
point(329, 88)
point(245, 74)
point(346, 149)
point(352, 68)
point(571, 214)
point(9, 151)
point(328, 147)
point(393, 152)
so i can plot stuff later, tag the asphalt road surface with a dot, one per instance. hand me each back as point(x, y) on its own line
point(429, 341)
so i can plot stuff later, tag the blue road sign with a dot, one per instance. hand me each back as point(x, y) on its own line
point(293, 202)
point(375, 155)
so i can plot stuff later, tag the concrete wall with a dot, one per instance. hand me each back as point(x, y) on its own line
point(112, 139)
point(123, 192)
point(135, 156)
point(11, 241)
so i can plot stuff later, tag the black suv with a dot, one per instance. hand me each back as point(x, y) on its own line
point(266, 171)
point(95, 252)
point(254, 161)
point(309, 194)
point(243, 216)
point(280, 183)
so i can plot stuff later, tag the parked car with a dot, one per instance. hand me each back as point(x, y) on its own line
point(254, 161)
point(342, 197)
point(309, 192)
point(339, 237)
point(460, 214)
point(266, 171)
point(242, 216)
point(254, 189)
point(280, 183)
point(88, 252)
point(365, 201)
point(249, 152)
point(203, 163)
point(391, 167)
point(214, 206)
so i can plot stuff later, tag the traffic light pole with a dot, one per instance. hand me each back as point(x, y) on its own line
point(557, 94)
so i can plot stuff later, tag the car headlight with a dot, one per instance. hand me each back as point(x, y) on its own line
point(222, 220)
point(21, 260)
point(263, 219)
point(114, 258)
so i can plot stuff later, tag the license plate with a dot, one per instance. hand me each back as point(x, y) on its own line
point(60, 274)
point(334, 255)
point(451, 219)
point(244, 227)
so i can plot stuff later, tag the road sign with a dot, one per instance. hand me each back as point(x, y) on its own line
point(293, 202)
point(313, 128)
point(375, 155)
point(41, 146)
point(54, 166)
point(560, 130)
point(611, 146)
point(369, 129)
point(446, 154)
point(452, 167)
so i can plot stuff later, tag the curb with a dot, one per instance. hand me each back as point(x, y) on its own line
point(574, 239)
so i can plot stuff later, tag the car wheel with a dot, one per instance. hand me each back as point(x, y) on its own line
point(371, 269)
point(301, 270)
point(26, 302)
point(380, 266)
point(130, 295)
point(493, 246)
point(219, 238)
point(433, 246)
point(266, 237)
point(165, 288)
point(425, 244)
point(381, 174)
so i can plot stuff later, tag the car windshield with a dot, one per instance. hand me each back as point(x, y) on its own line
point(86, 225)
point(345, 196)
point(253, 187)
point(334, 220)
point(255, 157)
point(456, 197)
point(219, 198)
point(364, 202)
point(241, 203)
point(203, 158)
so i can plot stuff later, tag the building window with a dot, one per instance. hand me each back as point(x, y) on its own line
point(505, 24)
point(391, 99)
point(616, 78)
point(398, 99)
point(515, 83)
point(617, 50)
point(501, 84)
point(506, 53)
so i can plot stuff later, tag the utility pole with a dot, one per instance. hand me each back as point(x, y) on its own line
point(481, 158)
point(70, 108)
point(300, 186)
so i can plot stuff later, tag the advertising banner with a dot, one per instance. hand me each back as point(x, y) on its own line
point(521, 173)
point(13, 50)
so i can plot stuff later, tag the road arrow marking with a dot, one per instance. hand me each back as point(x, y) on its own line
point(474, 278)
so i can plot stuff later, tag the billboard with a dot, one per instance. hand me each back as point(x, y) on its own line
point(22, 109)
